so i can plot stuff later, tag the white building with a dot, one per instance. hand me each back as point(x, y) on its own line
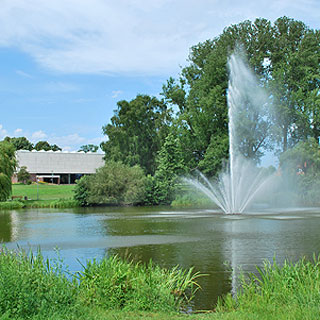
point(57, 166)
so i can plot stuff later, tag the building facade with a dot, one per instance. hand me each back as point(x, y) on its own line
point(57, 166)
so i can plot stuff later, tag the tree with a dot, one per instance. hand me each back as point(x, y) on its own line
point(295, 66)
point(89, 148)
point(201, 92)
point(170, 165)
point(20, 143)
point(285, 56)
point(137, 131)
point(7, 167)
point(23, 175)
point(114, 183)
point(300, 166)
point(44, 145)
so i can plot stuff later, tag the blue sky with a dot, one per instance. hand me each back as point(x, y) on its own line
point(64, 64)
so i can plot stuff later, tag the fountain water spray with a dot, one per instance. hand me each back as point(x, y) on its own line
point(239, 184)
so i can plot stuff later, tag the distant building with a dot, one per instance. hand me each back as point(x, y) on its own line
point(57, 166)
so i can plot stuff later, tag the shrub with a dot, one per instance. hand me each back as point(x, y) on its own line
point(23, 175)
point(115, 183)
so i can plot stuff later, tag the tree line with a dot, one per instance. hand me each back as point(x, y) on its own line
point(186, 128)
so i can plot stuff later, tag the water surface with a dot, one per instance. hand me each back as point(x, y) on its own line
point(212, 243)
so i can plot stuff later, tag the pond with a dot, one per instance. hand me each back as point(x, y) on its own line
point(213, 243)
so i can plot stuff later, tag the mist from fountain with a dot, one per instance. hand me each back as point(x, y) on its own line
point(241, 181)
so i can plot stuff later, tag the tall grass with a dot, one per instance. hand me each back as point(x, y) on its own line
point(117, 284)
point(34, 287)
point(11, 205)
point(22, 204)
point(293, 288)
point(30, 285)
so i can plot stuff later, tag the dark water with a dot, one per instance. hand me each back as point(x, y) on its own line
point(204, 239)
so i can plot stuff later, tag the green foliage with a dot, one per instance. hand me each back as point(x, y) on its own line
point(115, 183)
point(81, 191)
point(292, 288)
point(11, 205)
point(170, 165)
point(295, 69)
point(192, 200)
point(217, 151)
point(284, 55)
point(137, 131)
point(20, 143)
point(132, 286)
point(7, 167)
point(32, 287)
point(301, 166)
point(89, 148)
point(23, 175)
point(44, 145)
point(19, 204)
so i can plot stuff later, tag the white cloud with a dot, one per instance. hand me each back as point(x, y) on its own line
point(129, 36)
point(116, 93)
point(17, 132)
point(59, 86)
point(38, 135)
point(24, 74)
point(3, 132)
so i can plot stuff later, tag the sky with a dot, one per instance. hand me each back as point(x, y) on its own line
point(65, 64)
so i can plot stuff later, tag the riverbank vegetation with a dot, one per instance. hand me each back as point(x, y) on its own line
point(32, 287)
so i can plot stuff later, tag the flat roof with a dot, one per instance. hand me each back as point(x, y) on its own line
point(41, 162)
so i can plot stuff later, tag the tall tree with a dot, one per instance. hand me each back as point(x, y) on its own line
point(20, 143)
point(170, 165)
point(137, 131)
point(285, 58)
point(295, 71)
point(7, 167)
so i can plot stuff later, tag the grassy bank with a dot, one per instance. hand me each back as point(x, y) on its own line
point(43, 191)
point(40, 196)
point(34, 288)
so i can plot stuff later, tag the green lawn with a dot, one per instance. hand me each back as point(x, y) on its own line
point(44, 191)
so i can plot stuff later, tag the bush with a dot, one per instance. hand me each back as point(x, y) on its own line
point(115, 183)
point(23, 175)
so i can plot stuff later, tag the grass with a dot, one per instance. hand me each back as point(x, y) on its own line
point(45, 191)
point(32, 287)
point(49, 196)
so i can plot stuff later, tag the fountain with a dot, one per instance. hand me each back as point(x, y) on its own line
point(239, 184)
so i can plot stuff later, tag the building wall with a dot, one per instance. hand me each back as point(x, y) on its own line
point(47, 162)
point(67, 165)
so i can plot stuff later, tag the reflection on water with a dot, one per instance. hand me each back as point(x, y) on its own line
point(204, 239)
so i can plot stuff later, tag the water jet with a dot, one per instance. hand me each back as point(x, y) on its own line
point(241, 181)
